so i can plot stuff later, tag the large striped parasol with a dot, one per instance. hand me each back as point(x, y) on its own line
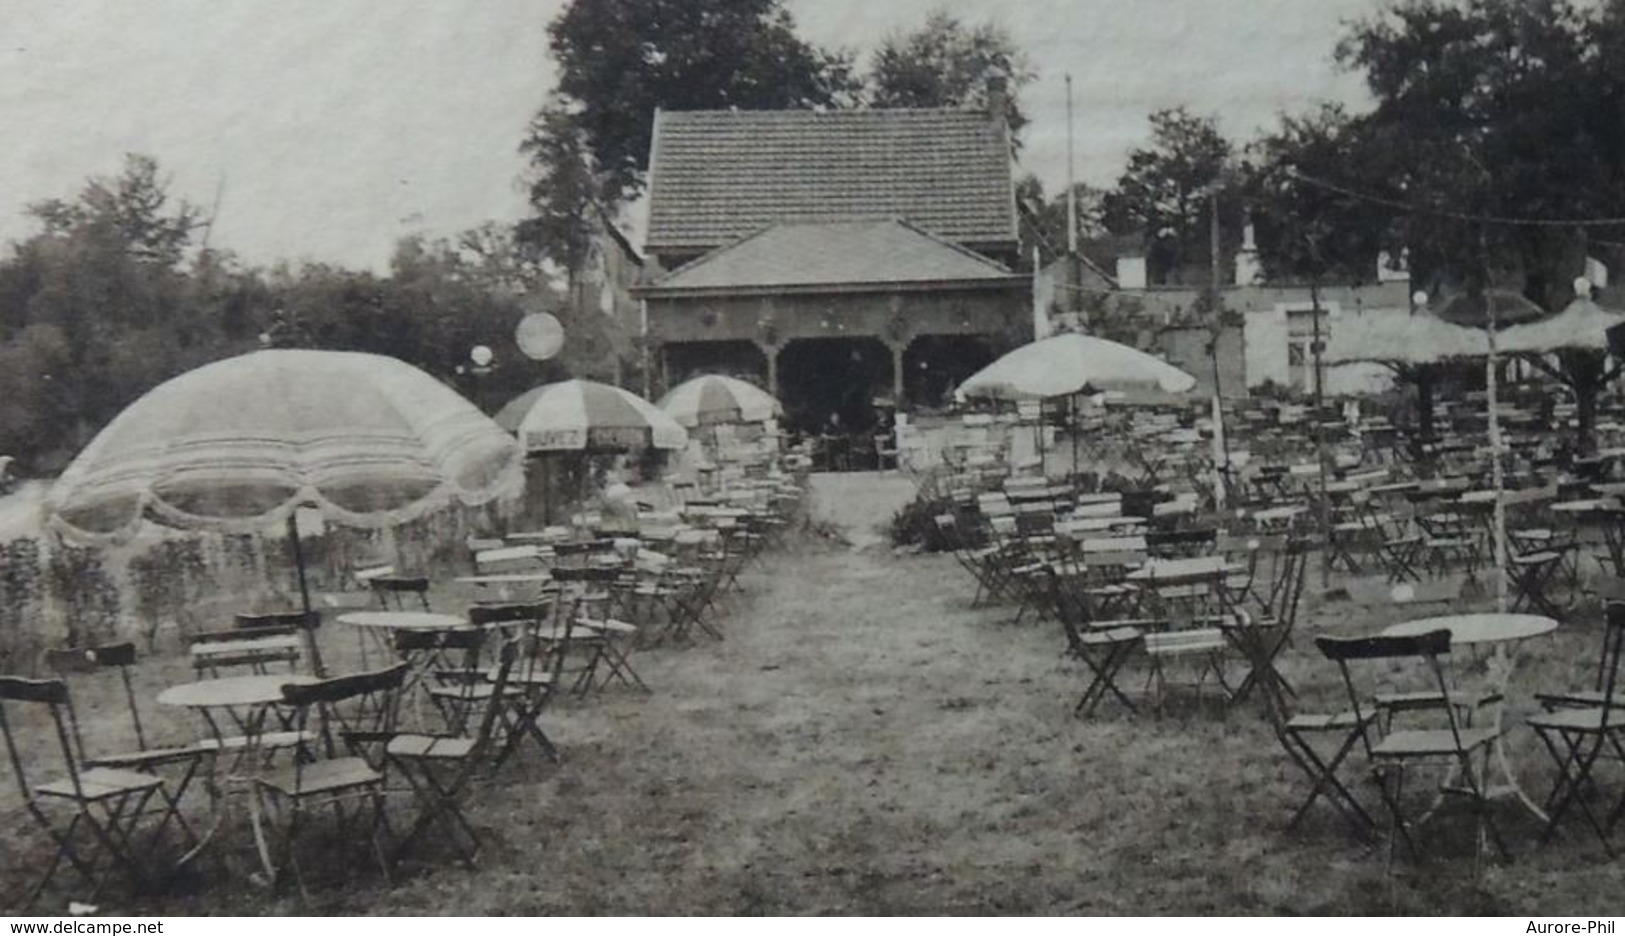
point(583, 415)
point(239, 444)
point(245, 443)
point(713, 399)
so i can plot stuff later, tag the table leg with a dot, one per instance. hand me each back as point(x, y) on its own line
point(1501, 676)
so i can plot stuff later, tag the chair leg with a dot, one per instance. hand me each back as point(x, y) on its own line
point(1324, 773)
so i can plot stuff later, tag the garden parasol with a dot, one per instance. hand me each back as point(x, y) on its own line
point(1413, 345)
point(1577, 338)
point(240, 445)
point(584, 415)
point(1064, 365)
point(713, 399)
point(1071, 364)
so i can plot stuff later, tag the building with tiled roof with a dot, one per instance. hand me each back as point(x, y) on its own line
point(717, 176)
point(839, 257)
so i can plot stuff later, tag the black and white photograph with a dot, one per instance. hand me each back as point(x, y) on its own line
point(812, 458)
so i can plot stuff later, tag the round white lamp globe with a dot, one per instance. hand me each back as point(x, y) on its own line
point(481, 355)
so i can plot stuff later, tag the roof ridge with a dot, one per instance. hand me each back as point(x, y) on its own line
point(951, 245)
point(837, 112)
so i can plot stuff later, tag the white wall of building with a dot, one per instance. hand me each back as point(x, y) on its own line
point(1268, 339)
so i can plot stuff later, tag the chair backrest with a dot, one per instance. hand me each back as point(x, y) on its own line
point(53, 694)
point(517, 612)
point(1111, 508)
point(508, 559)
point(253, 647)
point(398, 586)
point(1426, 648)
point(357, 704)
point(87, 660)
point(299, 620)
point(1613, 646)
point(599, 574)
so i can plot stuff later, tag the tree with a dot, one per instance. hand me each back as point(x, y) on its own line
point(1165, 192)
point(948, 63)
point(620, 60)
point(1490, 107)
point(131, 211)
point(1044, 222)
point(97, 308)
point(564, 194)
point(1307, 231)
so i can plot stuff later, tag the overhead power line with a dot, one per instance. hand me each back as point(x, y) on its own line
point(1466, 216)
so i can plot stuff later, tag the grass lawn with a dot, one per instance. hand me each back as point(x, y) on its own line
point(866, 742)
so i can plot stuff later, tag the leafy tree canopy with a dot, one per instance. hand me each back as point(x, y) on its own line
point(948, 63)
point(620, 60)
point(1165, 192)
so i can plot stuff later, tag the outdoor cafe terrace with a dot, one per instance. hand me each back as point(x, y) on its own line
point(1121, 659)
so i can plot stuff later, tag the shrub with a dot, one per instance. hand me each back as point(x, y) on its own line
point(916, 523)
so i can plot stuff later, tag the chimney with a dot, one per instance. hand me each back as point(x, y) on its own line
point(998, 97)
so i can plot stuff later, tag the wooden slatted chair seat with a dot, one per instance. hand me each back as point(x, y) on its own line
point(1195, 640)
point(324, 776)
point(100, 783)
point(1441, 742)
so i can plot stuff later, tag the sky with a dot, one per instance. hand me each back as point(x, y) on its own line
point(325, 130)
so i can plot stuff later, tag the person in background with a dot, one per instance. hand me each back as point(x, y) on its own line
point(619, 510)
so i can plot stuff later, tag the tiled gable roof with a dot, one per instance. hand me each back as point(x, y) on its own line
point(834, 253)
point(716, 176)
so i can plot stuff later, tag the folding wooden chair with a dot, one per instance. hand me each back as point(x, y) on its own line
point(1319, 743)
point(1102, 646)
point(439, 768)
point(1267, 629)
point(553, 645)
point(533, 682)
point(345, 714)
point(1206, 646)
point(104, 805)
point(186, 759)
point(589, 636)
point(445, 665)
point(1455, 746)
point(1582, 728)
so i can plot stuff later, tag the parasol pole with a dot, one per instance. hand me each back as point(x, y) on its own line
point(304, 593)
point(1076, 421)
point(1500, 534)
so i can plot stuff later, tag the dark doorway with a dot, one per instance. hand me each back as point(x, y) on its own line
point(934, 365)
point(741, 359)
point(841, 377)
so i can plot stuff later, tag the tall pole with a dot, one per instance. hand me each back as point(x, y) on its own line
point(1315, 349)
point(1216, 329)
point(1071, 183)
point(1491, 387)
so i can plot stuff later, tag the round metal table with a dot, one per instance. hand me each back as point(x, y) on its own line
point(1499, 631)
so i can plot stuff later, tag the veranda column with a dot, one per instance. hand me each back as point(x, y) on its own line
point(771, 352)
point(897, 349)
